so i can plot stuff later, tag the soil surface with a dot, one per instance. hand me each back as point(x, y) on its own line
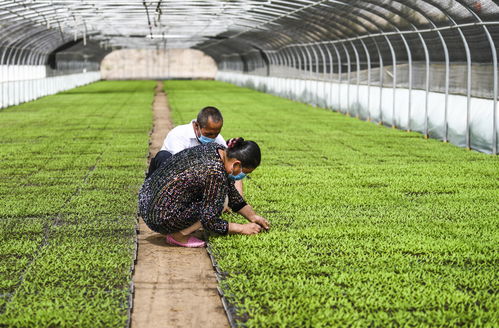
point(174, 286)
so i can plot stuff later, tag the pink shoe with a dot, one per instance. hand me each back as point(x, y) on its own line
point(193, 242)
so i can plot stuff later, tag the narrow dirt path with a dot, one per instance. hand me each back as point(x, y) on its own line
point(174, 286)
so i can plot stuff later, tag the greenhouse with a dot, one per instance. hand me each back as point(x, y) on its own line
point(377, 122)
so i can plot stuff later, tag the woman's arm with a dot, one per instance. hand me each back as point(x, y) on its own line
point(239, 186)
point(257, 223)
point(236, 201)
point(237, 204)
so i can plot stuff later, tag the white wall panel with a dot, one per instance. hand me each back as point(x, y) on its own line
point(353, 100)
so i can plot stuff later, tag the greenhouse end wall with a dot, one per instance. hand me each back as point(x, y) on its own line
point(388, 106)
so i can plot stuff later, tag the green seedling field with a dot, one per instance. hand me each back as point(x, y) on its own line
point(70, 168)
point(371, 226)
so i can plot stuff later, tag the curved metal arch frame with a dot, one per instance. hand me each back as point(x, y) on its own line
point(447, 66)
point(356, 51)
point(427, 75)
point(408, 51)
point(426, 52)
point(32, 41)
point(495, 78)
point(316, 51)
point(468, 78)
point(409, 58)
point(364, 18)
point(374, 23)
point(10, 45)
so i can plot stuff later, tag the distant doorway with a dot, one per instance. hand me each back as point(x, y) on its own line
point(129, 64)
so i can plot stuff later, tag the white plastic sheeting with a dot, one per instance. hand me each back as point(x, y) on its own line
point(425, 114)
point(23, 90)
point(21, 72)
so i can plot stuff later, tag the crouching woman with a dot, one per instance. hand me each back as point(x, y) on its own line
point(189, 191)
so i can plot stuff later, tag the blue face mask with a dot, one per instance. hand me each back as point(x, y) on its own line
point(240, 176)
point(205, 140)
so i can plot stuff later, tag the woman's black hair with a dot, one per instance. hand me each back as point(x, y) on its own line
point(247, 152)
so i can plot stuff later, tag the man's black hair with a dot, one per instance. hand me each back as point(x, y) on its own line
point(206, 113)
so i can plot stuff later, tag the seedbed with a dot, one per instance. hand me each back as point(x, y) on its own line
point(70, 168)
point(371, 226)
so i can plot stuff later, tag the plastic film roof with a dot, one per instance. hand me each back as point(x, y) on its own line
point(222, 28)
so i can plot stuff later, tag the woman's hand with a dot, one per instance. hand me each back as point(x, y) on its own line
point(260, 221)
point(250, 229)
point(248, 212)
point(244, 229)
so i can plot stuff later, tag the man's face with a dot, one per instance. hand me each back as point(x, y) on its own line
point(211, 130)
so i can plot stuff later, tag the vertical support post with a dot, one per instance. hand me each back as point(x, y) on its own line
point(277, 69)
point(310, 66)
point(323, 56)
point(316, 75)
point(357, 65)
point(339, 74)
point(348, 77)
point(274, 64)
point(284, 72)
point(495, 92)
point(310, 63)
point(290, 66)
point(298, 77)
point(381, 75)
point(24, 83)
point(368, 59)
point(9, 85)
point(291, 61)
point(468, 87)
point(284, 64)
point(29, 73)
point(269, 78)
point(15, 76)
point(32, 85)
point(427, 83)
point(495, 88)
point(394, 78)
point(495, 80)
point(293, 79)
point(278, 73)
point(4, 78)
point(328, 97)
point(2, 84)
point(17, 81)
point(33, 80)
point(409, 80)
